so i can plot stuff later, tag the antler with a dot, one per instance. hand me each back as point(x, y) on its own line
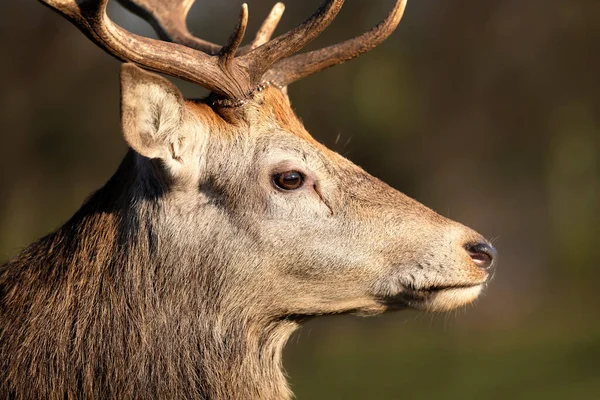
point(168, 18)
point(301, 65)
point(230, 72)
point(268, 27)
point(224, 79)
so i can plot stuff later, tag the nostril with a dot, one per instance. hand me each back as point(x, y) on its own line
point(482, 254)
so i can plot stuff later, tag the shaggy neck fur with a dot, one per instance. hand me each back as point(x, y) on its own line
point(109, 306)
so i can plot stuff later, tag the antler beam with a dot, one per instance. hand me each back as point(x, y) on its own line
point(156, 55)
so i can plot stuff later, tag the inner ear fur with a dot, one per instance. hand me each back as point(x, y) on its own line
point(152, 114)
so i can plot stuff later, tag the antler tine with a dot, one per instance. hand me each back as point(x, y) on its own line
point(301, 65)
point(268, 27)
point(168, 18)
point(169, 58)
point(262, 58)
point(228, 51)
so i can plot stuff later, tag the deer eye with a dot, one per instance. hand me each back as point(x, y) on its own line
point(289, 180)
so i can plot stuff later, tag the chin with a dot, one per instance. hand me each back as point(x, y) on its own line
point(449, 299)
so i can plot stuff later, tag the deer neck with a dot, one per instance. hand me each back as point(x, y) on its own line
point(218, 346)
point(145, 322)
point(245, 361)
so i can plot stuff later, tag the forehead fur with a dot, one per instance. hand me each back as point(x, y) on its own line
point(272, 105)
point(270, 108)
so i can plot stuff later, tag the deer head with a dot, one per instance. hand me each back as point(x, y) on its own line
point(236, 194)
point(239, 170)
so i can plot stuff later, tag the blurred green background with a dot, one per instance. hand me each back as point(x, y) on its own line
point(487, 111)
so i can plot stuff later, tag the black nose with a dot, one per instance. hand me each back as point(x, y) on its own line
point(483, 254)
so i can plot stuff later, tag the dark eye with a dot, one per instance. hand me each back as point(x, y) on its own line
point(289, 180)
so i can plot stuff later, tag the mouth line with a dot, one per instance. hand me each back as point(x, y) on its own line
point(438, 288)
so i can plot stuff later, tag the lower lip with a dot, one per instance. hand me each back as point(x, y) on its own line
point(441, 289)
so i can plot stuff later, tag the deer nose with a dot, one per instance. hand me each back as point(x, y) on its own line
point(483, 254)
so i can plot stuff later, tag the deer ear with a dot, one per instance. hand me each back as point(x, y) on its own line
point(152, 113)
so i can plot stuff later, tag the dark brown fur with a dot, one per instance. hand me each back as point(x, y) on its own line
point(102, 308)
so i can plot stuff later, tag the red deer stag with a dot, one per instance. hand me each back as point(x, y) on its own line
point(225, 226)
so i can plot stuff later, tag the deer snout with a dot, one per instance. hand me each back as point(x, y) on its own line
point(483, 254)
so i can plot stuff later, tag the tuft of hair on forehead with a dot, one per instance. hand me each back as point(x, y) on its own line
point(269, 107)
point(272, 104)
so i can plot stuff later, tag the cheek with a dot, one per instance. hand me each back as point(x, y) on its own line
point(322, 248)
point(299, 208)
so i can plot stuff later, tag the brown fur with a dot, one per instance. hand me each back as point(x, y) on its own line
point(186, 273)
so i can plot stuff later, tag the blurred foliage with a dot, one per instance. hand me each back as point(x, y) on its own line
point(486, 111)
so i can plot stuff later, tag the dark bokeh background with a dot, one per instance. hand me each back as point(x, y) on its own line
point(487, 111)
